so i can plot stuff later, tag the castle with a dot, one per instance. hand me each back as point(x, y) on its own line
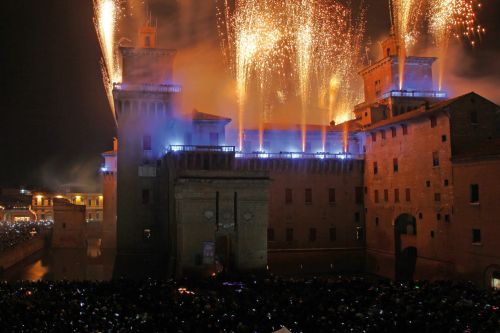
point(412, 197)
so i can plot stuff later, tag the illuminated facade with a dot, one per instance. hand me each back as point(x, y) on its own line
point(352, 202)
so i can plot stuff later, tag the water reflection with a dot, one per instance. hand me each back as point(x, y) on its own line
point(92, 263)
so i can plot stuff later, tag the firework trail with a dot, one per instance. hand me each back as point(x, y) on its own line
point(106, 13)
point(452, 18)
point(406, 16)
point(311, 43)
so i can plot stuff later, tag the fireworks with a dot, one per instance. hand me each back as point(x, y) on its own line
point(269, 44)
point(452, 18)
point(406, 15)
point(105, 19)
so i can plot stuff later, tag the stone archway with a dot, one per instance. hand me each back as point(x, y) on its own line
point(405, 251)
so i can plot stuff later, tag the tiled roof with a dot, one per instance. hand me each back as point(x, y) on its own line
point(201, 116)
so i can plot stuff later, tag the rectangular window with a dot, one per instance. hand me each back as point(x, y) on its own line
point(444, 138)
point(405, 129)
point(358, 193)
point(214, 139)
point(435, 159)
point(289, 234)
point(395, 165)
point(446, 182)
point(145, 196)
point(476, 236)
point(146, 142)
point(473, 117)
point(331, 195)
point(270, 234)
point(374, 137)
point(357, 217)
point(308, 196)
point(90, 202)
point(382, 133)
point(447, 218)
point(408, 195)
point(359, 233)
point(333, 234)
point(312, 234)
point(437, 197)
point(396, 195)
point(97, 202)
point(288, 196)
point(474, 193)
point(376, 196)
point(375, 168)
point(386, 195)
point(433, 121)
point(393, 132)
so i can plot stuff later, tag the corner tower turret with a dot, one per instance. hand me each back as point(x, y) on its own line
point(383, 96)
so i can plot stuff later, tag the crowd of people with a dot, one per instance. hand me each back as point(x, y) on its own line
point(263, 304)
point(12, 234)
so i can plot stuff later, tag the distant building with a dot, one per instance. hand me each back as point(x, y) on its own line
point(405, 190)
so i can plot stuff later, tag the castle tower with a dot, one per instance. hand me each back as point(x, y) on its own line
point(383, 96)
point(149, 119)
point(108, 172)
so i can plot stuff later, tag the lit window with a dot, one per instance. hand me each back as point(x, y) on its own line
point(359, 233)
point(147, 235)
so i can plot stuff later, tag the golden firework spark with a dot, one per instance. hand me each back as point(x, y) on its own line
point(106, 14)
point(304, 42)
point(453, 18)
point(406, 16)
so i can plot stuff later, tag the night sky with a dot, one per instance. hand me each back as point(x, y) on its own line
point(55, 119)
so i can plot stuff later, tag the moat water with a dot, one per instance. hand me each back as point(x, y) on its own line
point(97, 264)
point(92, 263)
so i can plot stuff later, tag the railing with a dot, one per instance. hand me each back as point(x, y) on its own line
point(164, 88)
point(415, 93)
point(299, 155)
point(263, 155)
point(190, 148)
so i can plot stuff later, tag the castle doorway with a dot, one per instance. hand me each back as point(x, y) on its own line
point(405, 252)
point(223, 251)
